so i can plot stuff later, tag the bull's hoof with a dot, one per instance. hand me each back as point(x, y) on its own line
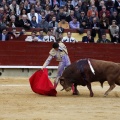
point(105, 95)
point(91, 95)
point(76, 93)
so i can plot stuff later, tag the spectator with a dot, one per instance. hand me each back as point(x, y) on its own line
point(27, 6)
point(48, 17)
point(1, 13)
point(11, 14)
point(104, 22)
point(104, 11)
point(33, 22)
point(101, 4)
point(95, 26)
point(49, 37)
point(23, 31)
point(91, 4)
point(89, 12)
point(66, 11)
point(63, 2)
point(38, 7)
point(77, 12)
point(2, 25)
point(69, 38)
point(114, 32)
point(14, 34)
point(4, 35)
point(21, 6)
point(84, 25)
point(7, 10)
point(47, 9)
point(15, 7)
point(116, 17)
point(40, 15)
point(25, 23)
point(41, 35)
point(61, 13)
point(103, 39)
point(59, 38)
point(31, 14)
point(9, 1)
point(22, 12)
point(83, 17)
point(32, 6)
point(109, 5)
point(117, 5)
point(13, 23)
point(74, 24)
point(92, 16)
point(3, 3)
point(70, 16)
point(63, 23)
point(43, 24)
point(56, 9)
point(33, 37)
point(45, 3)
point(82, 7)
point(53, 23)
point(74, 2)
point(32, 1)
point(69, 5)
point(53, 3)
point(88, 38)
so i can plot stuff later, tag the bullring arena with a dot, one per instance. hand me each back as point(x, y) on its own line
point(19, 102)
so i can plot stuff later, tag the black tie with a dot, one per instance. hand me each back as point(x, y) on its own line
point(69, 40)
point(53, 23)
point(15, 9)
point(49, 38)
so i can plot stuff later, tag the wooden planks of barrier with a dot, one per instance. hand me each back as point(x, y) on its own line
point(35, 53)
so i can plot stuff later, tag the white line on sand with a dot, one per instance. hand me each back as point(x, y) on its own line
point(14, 85)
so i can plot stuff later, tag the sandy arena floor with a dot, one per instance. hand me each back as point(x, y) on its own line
point(18, 102)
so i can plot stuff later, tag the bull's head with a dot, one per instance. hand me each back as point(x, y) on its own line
point(67, 85)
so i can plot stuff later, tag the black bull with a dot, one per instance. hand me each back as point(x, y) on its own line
point(85, 71)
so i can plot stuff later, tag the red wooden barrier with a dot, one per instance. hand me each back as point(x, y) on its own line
point(35, 53)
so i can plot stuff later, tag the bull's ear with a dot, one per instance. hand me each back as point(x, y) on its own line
point(62, 82)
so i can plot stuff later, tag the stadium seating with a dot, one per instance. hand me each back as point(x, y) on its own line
point(74, 32)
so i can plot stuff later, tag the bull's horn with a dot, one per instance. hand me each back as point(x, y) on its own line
point(62, 89)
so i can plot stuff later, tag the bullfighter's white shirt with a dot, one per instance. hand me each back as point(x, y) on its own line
point(71, 39)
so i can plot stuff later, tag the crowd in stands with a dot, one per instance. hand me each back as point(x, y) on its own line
point(53, 16)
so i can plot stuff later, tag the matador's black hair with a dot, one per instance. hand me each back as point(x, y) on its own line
point(55, 45)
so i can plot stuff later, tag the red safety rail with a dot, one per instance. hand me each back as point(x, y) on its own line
point(35, 53)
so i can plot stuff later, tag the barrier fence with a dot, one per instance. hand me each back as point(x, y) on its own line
point(23, 53)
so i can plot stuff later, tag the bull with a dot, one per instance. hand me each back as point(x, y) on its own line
point(85, 71)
